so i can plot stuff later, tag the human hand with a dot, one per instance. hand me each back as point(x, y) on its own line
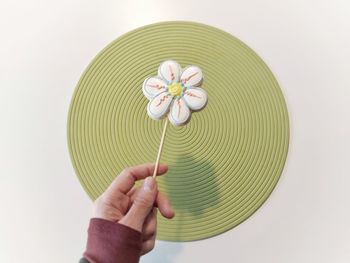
point(135, 207)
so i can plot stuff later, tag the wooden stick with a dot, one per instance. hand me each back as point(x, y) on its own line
point(160, 148)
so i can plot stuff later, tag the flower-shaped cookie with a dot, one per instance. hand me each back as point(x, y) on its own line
point(175, 91)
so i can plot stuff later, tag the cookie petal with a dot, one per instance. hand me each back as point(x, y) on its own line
point(158, 107)
point(170, 71)
point(153, 86)
point(192, 76)
point(179, 114)
point(195, 98)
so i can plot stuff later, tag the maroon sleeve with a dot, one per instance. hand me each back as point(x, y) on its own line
point(110, 242)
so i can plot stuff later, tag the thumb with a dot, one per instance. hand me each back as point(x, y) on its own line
point(142, 205)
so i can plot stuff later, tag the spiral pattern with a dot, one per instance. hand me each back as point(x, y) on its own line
point(222, 165)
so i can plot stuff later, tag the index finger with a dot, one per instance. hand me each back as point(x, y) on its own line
point(127, 178)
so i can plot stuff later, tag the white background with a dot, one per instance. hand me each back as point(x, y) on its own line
point(46, 45)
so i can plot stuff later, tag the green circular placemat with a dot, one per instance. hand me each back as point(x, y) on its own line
point(222, 165)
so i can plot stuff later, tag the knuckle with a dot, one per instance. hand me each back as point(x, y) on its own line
point(150, 230)
point(153, 223)
point(148, 246)
point(126, 170)
point(141, 200)
point(151, 244)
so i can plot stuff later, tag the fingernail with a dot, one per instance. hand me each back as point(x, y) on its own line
point(148, 184)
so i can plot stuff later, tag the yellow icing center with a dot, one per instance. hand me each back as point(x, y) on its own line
point(175, 89)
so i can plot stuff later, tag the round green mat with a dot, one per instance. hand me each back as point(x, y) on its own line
point(223, 165)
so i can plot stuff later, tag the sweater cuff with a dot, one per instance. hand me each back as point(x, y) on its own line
point(110, 242)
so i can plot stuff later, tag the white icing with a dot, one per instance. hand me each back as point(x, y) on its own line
point(170, 71)
point(158, 107)
point(192, 76)
point(196, 98)
point(174, 93)
point(153, 86)
point(179, 112)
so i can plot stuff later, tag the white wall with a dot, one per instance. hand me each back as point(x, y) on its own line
point(45, 46)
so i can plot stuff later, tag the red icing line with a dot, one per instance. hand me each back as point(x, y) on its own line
point(162, 100)
point(155, 86)
point(178, 113)
point(192, 94)
point(172, 74)
point(187, 79)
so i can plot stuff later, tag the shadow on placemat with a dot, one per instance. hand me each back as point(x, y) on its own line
point(192, 187)
point(192, 190)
